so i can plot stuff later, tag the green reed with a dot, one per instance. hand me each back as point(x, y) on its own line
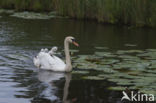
point(130, 12)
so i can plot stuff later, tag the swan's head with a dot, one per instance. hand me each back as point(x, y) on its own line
point(71, 39)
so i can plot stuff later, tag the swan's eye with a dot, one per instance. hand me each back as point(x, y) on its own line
point(73, 40)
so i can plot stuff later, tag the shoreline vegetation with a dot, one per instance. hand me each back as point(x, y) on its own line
point(137, 13)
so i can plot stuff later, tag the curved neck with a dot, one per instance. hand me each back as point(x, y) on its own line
point(67, 56)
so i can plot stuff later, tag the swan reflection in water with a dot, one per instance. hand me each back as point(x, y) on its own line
point(49, 78)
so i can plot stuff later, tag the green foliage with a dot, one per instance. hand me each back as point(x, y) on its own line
point(6, 3)
point(134, 69)
point(131, 12)
point(136, 12)
point(30, 5)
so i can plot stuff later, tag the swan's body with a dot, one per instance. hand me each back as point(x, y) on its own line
point(44, 60)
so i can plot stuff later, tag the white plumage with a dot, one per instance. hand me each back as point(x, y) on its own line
point(47, 60)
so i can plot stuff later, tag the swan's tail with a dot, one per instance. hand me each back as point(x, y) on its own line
point(36, 62)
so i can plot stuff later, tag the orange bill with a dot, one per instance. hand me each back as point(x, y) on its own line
point(76, 44)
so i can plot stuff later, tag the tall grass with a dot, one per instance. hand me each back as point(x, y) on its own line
point(132, 12)
point(136, 12)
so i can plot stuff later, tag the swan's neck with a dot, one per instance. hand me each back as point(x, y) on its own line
point(67, 56)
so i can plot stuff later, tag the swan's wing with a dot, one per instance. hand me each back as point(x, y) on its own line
point(38, 60)
point(53, 51)
point(54, 48)
point(56, 63)
point(44, 50)
point(50, 62)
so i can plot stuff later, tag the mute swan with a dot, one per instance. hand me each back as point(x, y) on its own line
point(45, 61)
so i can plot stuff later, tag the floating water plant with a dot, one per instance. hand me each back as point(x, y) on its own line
point(92, 78)
point(125, 68)
point(117, 88)
point(32, 15)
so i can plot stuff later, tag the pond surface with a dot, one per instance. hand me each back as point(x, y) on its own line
point(109, 59)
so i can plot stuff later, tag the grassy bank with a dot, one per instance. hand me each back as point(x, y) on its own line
point(132, 12)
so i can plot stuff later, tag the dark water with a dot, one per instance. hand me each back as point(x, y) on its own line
point(21, 40)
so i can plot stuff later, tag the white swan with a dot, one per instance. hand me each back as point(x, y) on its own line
point(45, 61)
